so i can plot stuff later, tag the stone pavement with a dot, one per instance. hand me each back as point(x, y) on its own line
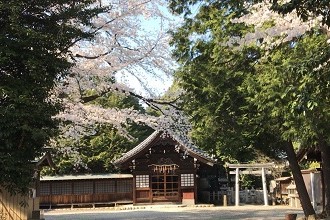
point(173, 212)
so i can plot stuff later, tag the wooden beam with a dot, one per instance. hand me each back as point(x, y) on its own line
point(252, 172)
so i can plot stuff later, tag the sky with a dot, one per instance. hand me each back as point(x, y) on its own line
point(157, 84)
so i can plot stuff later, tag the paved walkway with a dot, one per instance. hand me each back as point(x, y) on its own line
point(245, 212)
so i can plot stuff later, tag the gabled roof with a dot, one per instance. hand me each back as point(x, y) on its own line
point(44, 160)
point(183, 143)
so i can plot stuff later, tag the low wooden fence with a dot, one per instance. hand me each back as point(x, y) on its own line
point(248, 196)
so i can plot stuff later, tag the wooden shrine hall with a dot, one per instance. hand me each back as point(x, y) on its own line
point(165, 169)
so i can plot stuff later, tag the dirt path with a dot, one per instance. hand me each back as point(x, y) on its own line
point(175, 212)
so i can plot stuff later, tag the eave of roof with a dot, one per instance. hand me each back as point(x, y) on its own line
point(85, 177)
point(140, 147)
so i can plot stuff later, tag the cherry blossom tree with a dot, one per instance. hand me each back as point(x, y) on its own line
point(271, 28)
point(131, 41)
point(124, 46)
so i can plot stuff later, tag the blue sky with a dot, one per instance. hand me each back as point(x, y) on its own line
point(158, 85)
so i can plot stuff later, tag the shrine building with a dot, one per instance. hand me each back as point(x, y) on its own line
point(165, 168)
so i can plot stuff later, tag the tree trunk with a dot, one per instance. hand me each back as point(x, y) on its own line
point(325, 154)
point(298, 178)
point(323, 189)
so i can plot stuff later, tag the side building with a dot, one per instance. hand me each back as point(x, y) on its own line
point(85, 190)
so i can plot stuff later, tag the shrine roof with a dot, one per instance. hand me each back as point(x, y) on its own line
point(184, 143)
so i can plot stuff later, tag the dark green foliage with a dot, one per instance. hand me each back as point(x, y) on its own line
point(292, 87)
point(243, 98)
point(213, 75)
point(34, 42)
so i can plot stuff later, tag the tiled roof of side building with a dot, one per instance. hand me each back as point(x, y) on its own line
point(85, 177)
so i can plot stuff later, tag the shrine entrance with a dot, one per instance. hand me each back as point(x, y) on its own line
point(254, 169)
point(165, 187)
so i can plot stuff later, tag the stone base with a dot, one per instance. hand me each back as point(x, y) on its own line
point(188, 201)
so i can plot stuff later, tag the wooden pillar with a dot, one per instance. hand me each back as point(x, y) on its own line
point(195, 187)
point(51, 193)
point(94, 192)
point(150, 187)
point(134, 188)
point(237, 187)
point(72, 195)
point(264, 186)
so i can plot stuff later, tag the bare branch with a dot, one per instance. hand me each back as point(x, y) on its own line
point(94, 57)
point(150, 102)
point(125, 47)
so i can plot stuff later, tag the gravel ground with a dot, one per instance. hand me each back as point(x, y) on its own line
point(246, 212)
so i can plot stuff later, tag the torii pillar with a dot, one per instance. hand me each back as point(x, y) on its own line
point(264, 186)
point(237, 187)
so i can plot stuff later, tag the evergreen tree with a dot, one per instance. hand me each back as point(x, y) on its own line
point(291, 86)
point(248, 95)
point(212, 76)
point(34, 41)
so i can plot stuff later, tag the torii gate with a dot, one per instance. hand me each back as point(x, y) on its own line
point(251, 166)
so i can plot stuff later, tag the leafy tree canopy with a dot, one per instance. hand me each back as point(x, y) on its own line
point(258, 85)
point(305, 9)
point(34, 42)
point(212, 76)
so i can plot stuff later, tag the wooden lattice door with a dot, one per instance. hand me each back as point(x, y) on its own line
point(165, 187)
